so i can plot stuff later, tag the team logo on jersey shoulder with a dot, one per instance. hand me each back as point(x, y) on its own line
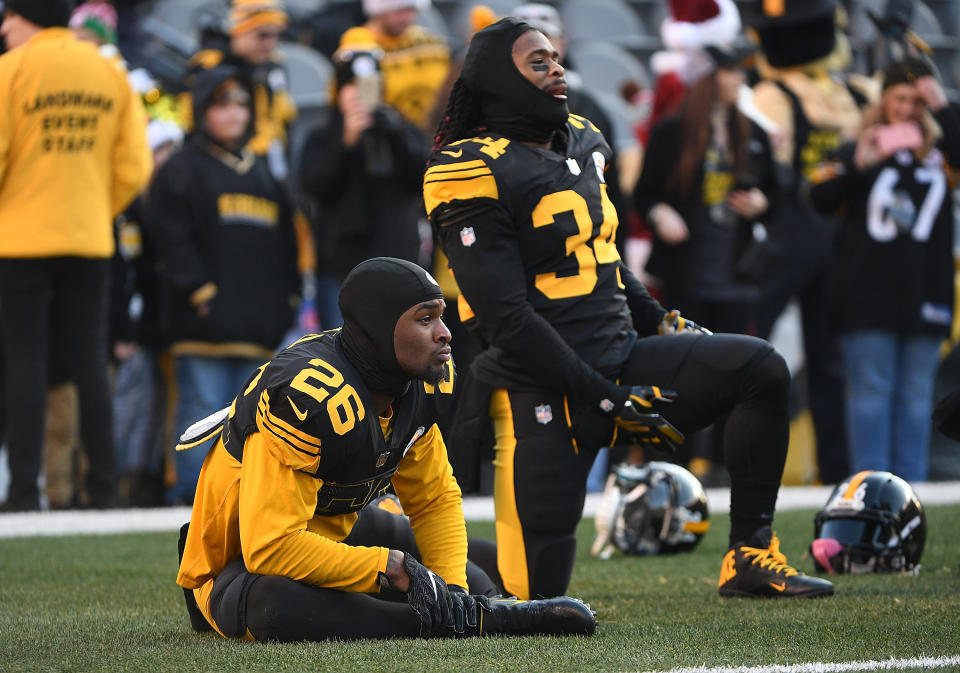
point(467, 236)
point(544, 413)
point(601, 165)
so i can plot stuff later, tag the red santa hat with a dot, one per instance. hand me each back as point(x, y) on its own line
point(700, 23)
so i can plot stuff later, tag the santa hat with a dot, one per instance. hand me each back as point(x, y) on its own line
point(700, 23)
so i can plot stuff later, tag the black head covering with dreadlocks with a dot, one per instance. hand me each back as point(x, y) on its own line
point(492, 94)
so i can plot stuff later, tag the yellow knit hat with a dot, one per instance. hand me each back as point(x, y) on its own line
point(247, 15)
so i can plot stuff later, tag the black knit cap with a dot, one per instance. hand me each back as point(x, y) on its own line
point(44, 13)
point(372, 298)
point(906, 71)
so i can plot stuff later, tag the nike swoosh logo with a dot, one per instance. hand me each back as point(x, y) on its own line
point(455, 155)
point(779, 586)
point(302, 415)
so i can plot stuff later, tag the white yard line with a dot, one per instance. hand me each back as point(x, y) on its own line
point(475, 508)
point(829, 667)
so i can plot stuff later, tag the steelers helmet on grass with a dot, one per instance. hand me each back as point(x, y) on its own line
point(873, 522)
point(651, 508)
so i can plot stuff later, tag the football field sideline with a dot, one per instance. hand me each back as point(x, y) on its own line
point(910, 664)
point(475, 508)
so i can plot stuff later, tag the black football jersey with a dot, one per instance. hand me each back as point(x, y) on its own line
point(311, 398)
point(491, 199)
point(895, 247)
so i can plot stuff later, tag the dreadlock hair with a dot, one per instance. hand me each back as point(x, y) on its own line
point(461, 118)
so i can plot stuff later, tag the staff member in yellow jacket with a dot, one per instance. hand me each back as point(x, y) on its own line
point(282, 544)
point(73, 155)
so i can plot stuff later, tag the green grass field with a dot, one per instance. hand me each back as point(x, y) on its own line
point(109, 603)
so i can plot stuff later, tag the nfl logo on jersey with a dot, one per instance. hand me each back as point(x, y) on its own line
point(467, 237)
point(543, 413)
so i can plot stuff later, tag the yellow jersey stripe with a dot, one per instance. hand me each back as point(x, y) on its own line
point(269, 423)
point(459, 166)
point(457, 175)
point(438, 192)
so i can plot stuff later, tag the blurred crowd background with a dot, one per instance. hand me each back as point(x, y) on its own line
point(335, 105)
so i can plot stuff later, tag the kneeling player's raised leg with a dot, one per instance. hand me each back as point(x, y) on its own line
point(539, 488)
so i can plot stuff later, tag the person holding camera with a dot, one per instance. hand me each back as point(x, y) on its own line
point(361, 166)
point(893, 283)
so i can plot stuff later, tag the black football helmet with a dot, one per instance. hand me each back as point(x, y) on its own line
point(651, 508)
point(873, 522)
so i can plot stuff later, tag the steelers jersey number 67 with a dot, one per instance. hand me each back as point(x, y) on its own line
point(603, 250)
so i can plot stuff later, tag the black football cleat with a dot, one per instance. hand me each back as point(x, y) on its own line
point(758, 568)
point(561, 616)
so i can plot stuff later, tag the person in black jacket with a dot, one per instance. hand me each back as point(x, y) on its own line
point(707, 183)
point(893, 283)
point(223, 229)
point(361, 166)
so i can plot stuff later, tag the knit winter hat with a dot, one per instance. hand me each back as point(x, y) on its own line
point(99, 17)
point(696, 24)
point(906, 71)
point(375, 7)
point(247, 15)
point(44, 13)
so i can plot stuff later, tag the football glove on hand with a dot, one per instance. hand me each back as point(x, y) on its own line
point(644, 425)
point(428, 595)
point(674, 323)
point(465, 611)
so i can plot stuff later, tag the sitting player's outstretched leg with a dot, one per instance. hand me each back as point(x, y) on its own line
point(560, 616)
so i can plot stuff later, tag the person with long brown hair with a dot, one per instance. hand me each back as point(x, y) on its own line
point(707, 184)
point(893, 280)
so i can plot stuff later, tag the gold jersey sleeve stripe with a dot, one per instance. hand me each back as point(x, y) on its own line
point(458, 166)
point(437, 192)
point(298, 440)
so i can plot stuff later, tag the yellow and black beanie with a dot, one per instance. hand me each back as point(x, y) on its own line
point(247, 15)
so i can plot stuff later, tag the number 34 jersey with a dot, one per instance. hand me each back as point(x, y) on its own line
point(524, 226)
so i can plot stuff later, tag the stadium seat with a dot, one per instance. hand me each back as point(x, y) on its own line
point(309, 74)
point(609, 20)
point(623, 117)
point(605, 67)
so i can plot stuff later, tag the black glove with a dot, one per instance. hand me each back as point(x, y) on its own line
point(674, 323)
point(428, 595)
point(644, 425)
point(464, 608)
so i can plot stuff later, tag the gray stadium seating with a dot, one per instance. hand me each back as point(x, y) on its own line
point(309, 74)
point(609, 20)
point(605, 66)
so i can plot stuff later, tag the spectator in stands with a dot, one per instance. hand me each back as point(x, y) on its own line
point(707, 182)
point(362, 164)
point(224, 234)
point(73, 154)
point(140, 391)
point(707, 185)
point(415, 62)
point(255, 27)
point(893, 289)
point(816, 113)
point(95, 21)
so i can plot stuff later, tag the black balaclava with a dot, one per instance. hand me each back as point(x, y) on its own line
point(372, 298)
point(511, 105)
point(44, 13)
